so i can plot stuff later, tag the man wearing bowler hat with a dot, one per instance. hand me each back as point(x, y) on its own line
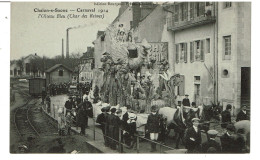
point(193, 137)
point(186, 101)
point(211, 146)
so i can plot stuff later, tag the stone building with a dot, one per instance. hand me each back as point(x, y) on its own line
point(58, 73)
point(212, 50)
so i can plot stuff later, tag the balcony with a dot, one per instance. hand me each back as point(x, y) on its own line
point(191, 18)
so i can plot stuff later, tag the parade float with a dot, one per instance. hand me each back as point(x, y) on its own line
point(132, 73)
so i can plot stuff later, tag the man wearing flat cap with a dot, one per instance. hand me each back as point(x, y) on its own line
point(211, 146)
point(227, 140)
point(193, 137)
point(186, 101)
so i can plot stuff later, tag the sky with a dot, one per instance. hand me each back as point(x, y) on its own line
point(30, 34)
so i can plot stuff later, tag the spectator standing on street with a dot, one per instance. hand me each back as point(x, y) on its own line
point(242, 114)
point(228, 142)
point(226, 116)
point(69, 120)
point(101, 119)
point(153, 127)
point(82, 119)
point(193, 137)
point(48, 103)
point(186, 101)
point(211, 143)
point(68, 105)
point(43, 94)
point(61, 122)
point(88, 106)
point(114, 123)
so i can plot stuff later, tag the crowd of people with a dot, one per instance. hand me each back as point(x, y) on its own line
point(113, 124)
point(58, 89)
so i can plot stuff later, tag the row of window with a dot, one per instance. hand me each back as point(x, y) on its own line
point(180, 90)
point(183, 11)
point(198, 49)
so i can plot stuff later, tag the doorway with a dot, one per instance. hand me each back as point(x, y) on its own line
point(245, 85)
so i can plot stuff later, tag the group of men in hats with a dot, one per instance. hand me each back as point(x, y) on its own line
point(110, 123)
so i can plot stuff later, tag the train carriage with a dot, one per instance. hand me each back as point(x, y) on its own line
point(36, 86)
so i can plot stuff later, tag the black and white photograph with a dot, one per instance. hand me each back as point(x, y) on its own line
point(130, 77)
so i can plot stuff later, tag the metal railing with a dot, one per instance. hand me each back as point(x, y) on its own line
point(190, 16)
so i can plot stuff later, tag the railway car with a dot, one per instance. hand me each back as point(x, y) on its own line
point(36, 86)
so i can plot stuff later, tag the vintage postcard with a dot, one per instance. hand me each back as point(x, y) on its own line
point(130, 77)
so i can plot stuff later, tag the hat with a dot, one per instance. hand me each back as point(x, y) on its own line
point(153, 108)
point(213, 132)
point(131, 116)
point(103, 109)
point(118, 111)
point(113, 110)
point(107, 108)
point(186, 95)
point(195, 119)
point(231, 127)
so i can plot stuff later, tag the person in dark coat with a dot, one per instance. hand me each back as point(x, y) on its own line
point(82, 119)
point(211, 146)
point(48, 103)
point(68, 105)
point(242, 114)
point(193, 137)
point(226, 116)
point(125, 126)
point(88, 107)
point(101, 119)
point(228, 142)
point(113, 123)
point(186, 101)
point(153, 127)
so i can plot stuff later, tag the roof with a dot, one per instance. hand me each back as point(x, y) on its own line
point(56, 66)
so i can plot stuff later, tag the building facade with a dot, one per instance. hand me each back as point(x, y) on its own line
point(212, 50)
point(58, 74)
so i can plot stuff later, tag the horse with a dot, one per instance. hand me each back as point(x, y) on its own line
point(243, 131)
point(178, 119)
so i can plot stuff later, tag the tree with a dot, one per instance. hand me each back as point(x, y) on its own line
point(20, 64)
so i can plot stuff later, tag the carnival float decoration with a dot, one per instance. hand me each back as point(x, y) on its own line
point(123, 83)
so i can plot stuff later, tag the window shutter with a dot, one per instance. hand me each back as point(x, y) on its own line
point(182, 86)
point(191, 52)
point(202, 8)
point(185, 52)
point(191, 10)
point(202, 50)
point(185, 11)
point(177, 53)
point(176, 13)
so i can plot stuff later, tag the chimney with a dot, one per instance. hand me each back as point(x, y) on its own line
point(62, 49)
point(136, 10)
point(67, 45)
